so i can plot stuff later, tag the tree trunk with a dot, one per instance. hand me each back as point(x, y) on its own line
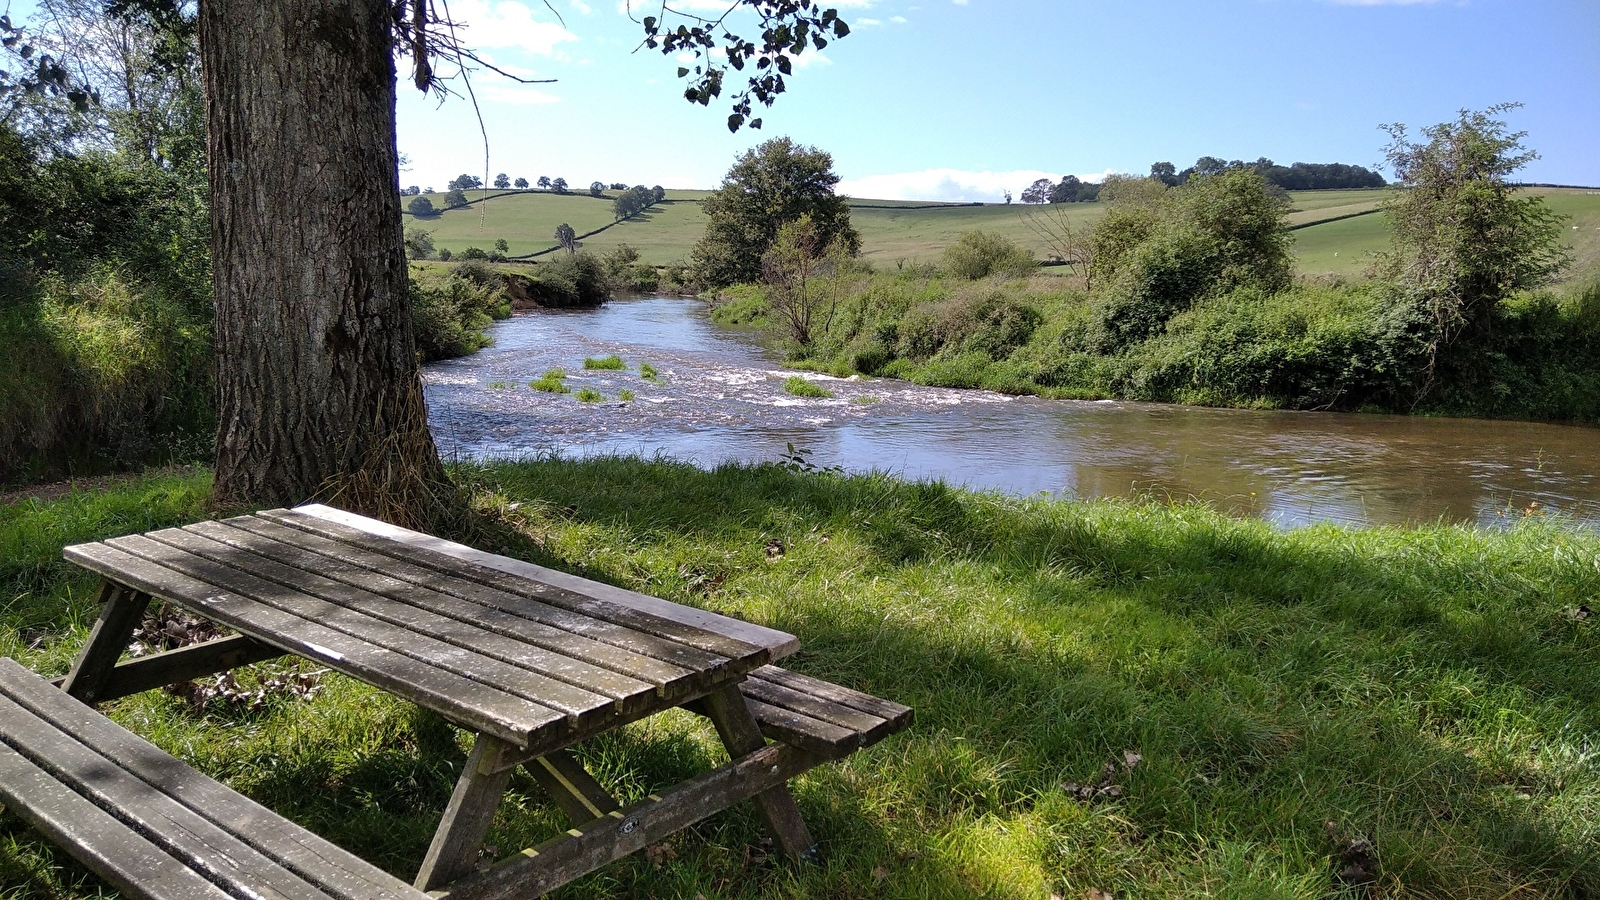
point(318, 392)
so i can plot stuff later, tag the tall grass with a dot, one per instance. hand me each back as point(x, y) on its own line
point(1286, 694)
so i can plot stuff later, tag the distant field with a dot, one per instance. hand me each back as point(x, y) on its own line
point(1343, 246)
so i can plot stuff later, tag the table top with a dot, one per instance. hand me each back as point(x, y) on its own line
point(530, 655)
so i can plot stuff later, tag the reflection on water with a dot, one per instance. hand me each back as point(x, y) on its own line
point(721, 397)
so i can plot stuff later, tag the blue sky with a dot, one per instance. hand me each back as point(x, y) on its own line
point(959, 99)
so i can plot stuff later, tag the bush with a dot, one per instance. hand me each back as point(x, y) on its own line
point(980, 254)
point(474, 253)
point(450, 311)
point(589, 395)
point(573, 279)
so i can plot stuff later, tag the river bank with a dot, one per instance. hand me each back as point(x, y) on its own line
point(1133, 698)
point(1311, 346)
point(711, 394)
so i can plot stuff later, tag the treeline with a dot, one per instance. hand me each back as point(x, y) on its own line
point(1295, 177)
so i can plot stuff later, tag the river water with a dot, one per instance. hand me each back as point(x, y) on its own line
point(720, 397)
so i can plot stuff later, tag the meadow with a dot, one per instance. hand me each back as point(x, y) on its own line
point(1113, 699)
point(1336, 232)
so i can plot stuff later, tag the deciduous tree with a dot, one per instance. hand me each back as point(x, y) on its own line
point(770, 186)
point(566, 237)
point(502, 181)
point(1464, 238)
point(521, 184)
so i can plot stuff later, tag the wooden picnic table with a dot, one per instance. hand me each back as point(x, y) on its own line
point(530, 660)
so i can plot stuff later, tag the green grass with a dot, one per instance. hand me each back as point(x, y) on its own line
point(498, 385)
point(1426, 689)
point(605, 363)
point(551, 382)
point(901, 235)
point(800, 387)
point(589, 395)
point(648, 372)
point(625, 395)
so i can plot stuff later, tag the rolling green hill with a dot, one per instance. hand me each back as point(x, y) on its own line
point(1336, 231)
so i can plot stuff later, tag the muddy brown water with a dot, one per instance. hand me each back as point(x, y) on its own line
point(720, 397)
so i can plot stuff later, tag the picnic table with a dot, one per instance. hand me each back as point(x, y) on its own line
point(530, 660)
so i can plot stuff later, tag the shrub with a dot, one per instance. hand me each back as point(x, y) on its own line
point(455, 199)
point(625, 395)
point(444, 254)
point(980, 254)
point(612, 362)
point(474, 253)
point(648, 372)
point(573, 279)
point(449, 311)
point(800, 387)
point(589, 395)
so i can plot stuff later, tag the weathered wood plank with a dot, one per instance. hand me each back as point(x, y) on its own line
point(466, 819)
point(106, 847)
point(460, 700)
point(373, 635)
point(339, 872)
point(195, 842)
point(780, 643)
point(747, 655)
point(430, 638)
point(899, 716)
point(730, 714)
point(571, 786)
point(803, 731)
point(183, 664)
point(654, 658)
point(871, 728)
point(375, 594)
point(120, 611)
point(660, 650)
point(544, 868)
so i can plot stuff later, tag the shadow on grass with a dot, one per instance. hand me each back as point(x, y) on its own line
point(1428, 689)
point(1424, 689)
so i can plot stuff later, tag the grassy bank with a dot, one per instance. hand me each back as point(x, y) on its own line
point(1143, 700)
point(1313, 346)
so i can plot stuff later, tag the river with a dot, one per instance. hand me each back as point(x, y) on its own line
point(720, 397)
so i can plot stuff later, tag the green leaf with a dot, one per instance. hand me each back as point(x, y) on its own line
point(682, 71)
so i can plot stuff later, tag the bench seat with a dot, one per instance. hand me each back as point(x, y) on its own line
point(818, 715)
point(150, 825)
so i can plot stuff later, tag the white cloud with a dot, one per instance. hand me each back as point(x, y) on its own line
point(898, 20)
point(959, 2)
point(864, 23)
point(951, 185)
point(507, 24)
point(582, 7)
point(807, 60)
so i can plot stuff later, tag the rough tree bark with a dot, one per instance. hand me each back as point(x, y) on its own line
point(318, 391)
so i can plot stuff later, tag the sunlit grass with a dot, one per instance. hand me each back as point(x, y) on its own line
point(551, 382)
point(800, 387)
point(612, 362)
point(1430, 690)
point(589, 395)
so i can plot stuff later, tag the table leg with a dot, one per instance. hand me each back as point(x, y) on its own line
point(571, 786)
point(726, 709)
point(119, 615)
point(466, 820)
